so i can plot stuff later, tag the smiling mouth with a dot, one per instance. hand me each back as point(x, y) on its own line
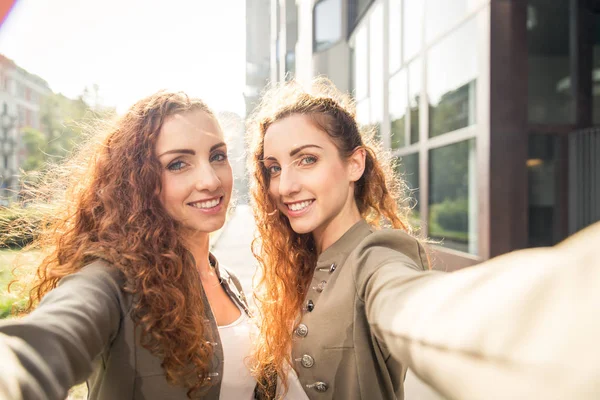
point(299, 206)
point(207, 204)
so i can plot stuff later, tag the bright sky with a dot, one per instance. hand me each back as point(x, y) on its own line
point(131, 48)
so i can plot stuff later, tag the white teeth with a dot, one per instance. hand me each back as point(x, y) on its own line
point(206, 204)
point(299, 206)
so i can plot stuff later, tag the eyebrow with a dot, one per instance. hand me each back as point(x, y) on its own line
point(190, 151)
point(299, 149)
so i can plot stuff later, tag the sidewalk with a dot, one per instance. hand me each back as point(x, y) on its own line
point(232, 249)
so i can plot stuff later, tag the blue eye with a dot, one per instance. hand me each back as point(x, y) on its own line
point(175, 166)
point(218, 157)
point(307, 160)
point(274, 170)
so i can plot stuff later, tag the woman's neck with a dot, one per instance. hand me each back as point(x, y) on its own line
point(335, 229)
point(199, 244)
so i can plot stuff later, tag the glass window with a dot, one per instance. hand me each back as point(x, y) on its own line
point(398, 104)
point(441, 15)
point(549, 84)
point(291, 24)
point(414, 96)
point(361, 67)
point(290, 65)
point(412, 23)
point(376, 65)
point(356, 9)
point(407, 167)
point(453, 196)
point(395, 32)
point(451, 80)
point(542, 179)
point(328, 24)
point(596, 71)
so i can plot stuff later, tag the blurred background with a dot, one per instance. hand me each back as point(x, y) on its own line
point(491, 107)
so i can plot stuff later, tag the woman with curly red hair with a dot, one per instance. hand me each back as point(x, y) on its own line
point(346, 295)
point(130, 298)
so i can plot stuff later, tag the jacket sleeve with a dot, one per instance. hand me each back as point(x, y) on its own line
point(48, 351)
point(520, 326)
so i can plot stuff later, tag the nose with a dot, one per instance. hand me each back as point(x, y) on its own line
point(206, 179)
point(288, 182)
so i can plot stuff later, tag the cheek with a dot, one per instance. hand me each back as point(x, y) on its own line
point(273, 190)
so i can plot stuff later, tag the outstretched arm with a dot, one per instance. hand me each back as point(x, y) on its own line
point(520, 326)
point(47, 352)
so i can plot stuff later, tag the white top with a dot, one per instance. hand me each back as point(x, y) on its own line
point(237, 381)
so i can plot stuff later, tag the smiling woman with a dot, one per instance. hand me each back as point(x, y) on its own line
point(130, 298)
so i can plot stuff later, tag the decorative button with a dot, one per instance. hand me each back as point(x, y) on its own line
point(212, 375)
point(318, 386)
point(332, 268)
point(310, 306)
point(320, 287)
point(307, 361)
point(302, 330)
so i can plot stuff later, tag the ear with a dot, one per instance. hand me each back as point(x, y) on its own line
point(356, 164)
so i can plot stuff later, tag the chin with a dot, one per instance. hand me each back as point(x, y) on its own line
point(302, 228)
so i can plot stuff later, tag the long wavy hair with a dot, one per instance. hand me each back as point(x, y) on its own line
point(287, 259)
point(103, 204)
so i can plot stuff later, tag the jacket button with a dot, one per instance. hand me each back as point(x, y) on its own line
point(320, 287)
point(332, 268)
point(310, 306)
point(318, 386)
point(307, 361)
point(302, 330)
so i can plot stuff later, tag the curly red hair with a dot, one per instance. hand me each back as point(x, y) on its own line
point(104, 205)
point(286, 258)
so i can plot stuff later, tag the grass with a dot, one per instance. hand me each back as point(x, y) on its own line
point(8, 258)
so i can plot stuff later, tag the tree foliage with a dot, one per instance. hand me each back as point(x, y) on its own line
point(64, 122)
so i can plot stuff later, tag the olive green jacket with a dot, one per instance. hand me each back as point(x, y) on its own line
point(519, 326)
point(82, 330)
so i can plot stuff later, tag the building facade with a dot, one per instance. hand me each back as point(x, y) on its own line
point(488, 105)
point(258, 50)
point(21, 96)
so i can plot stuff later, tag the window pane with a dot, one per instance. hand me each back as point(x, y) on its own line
point(356, 9)
point(407, 167)
point(453, 196)
point(413, 16)
point(549, 82)
point(290, 65)
point(328, 23)
point(542, 179)
point(451, 79)
point(596, 71)
point(376, 64)
point(361, 57)
point(398, 105)
point(395, 31)
point(414, 96)
point(291, 24)
point(441, 15)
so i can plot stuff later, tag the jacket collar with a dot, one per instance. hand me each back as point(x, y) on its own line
point(345, 244)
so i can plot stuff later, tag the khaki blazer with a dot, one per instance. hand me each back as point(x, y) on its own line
point(520, 326)
point(83, 330)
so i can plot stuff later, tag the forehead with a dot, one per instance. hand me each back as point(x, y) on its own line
point(190, 129)
point(291, 132)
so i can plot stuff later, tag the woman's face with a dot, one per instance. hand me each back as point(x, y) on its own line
point(196, 175)
point(308, 180)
